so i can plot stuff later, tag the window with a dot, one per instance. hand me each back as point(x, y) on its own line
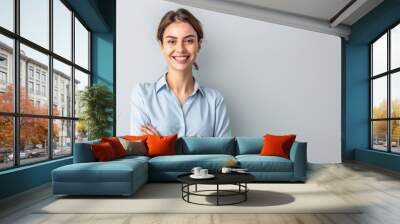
point(43, 77)
point(385, 91)
point(7, 14)
point(3, 78)
point(62, 76)
point(81, 45)
point(30, 72)
point(30, 87)
point(35, 21)
point(55, 126)
point(3, 72)
point(6, 73)
point(38, 74)
point(43, 90)
point(62, 29)
point(38, 89)
point(3, 61)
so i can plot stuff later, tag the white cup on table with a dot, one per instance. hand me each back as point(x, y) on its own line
point(196, 171)
point(226, 170)
point(203, 172)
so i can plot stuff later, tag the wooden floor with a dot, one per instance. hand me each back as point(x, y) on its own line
point(378, 188)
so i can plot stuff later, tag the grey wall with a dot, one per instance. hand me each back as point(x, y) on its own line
point(275, 79)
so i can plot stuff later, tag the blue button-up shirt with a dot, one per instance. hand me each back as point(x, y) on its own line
point(203, 113)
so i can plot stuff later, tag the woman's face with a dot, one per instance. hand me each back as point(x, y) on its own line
point(180, 46)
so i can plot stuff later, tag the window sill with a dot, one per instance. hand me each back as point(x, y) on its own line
point(25, 167)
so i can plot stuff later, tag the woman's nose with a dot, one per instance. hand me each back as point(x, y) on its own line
point(180, 47)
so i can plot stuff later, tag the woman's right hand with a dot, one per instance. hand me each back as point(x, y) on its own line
point(148, 129)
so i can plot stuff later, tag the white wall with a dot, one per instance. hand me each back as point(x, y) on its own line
point(274, 79)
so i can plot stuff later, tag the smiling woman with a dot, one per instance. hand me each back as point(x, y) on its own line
point(176, 103)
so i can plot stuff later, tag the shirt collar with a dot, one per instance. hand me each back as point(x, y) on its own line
point(162, 82)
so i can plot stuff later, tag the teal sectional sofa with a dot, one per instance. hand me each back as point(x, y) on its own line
point(125, 176)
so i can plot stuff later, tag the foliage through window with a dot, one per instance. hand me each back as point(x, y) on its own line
point(38, 66)
point(385, 91)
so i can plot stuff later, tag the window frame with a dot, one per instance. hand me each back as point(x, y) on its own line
point(388, 74)
point(15, 72)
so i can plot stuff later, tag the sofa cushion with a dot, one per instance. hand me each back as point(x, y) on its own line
point(83, 152)
point(185, 163)
point(275, 145)
point(161, 145)
point(116, 145)
point(103, 152)
point(249, 145)
point(134, 147)
point(257, 163)
point(207, 145)
point(111, 171)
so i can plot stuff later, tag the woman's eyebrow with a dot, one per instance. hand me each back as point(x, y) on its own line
point(188, 36)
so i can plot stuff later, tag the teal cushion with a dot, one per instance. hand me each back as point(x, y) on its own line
point(206, 145)
point(257, 163)
point(249, 145)
point(185, 163)
point(111, 171)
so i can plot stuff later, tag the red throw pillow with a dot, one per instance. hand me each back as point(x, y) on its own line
point(161, 145)
point(103, 151)
point(116, 145)
point(277, 145)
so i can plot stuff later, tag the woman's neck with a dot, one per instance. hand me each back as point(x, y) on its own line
point(181, 82)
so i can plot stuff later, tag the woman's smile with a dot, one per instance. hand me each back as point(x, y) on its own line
point(181, 59)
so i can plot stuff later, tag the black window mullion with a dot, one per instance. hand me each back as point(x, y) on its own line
point(389, 105)
point(50, 87)
point(73, 82)
point(16, 84)
point(371, 143)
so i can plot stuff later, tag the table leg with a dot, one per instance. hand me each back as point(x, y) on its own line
point(245, 193)
point(217, 194)
point(188, 190)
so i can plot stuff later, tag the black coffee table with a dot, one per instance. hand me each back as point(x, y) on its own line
point(239, 179)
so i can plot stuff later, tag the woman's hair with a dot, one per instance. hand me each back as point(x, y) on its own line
point(180, 15)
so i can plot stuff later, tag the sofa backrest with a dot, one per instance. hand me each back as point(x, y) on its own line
point(249, 145)
point(83, 152)
point(206, 145)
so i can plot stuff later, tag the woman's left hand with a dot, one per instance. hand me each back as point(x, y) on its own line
point(149, 129)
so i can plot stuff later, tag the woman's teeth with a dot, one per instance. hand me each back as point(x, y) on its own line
point(180, 59)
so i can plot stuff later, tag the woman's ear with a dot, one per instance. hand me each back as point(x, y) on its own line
point(200, 43)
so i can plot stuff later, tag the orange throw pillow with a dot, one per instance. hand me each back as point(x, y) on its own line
point(277, 145)
point(103, 151)
point(161, 145)
point(116, 145)
point(135, 138)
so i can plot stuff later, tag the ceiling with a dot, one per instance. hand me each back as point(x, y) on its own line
point(333, 17)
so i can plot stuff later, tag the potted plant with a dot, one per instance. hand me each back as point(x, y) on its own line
point(97, 104)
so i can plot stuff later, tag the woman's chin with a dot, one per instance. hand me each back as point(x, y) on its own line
point(181, 67)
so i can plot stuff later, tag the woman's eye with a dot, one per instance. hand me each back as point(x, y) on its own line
point(171, 41)
point(190, 41)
